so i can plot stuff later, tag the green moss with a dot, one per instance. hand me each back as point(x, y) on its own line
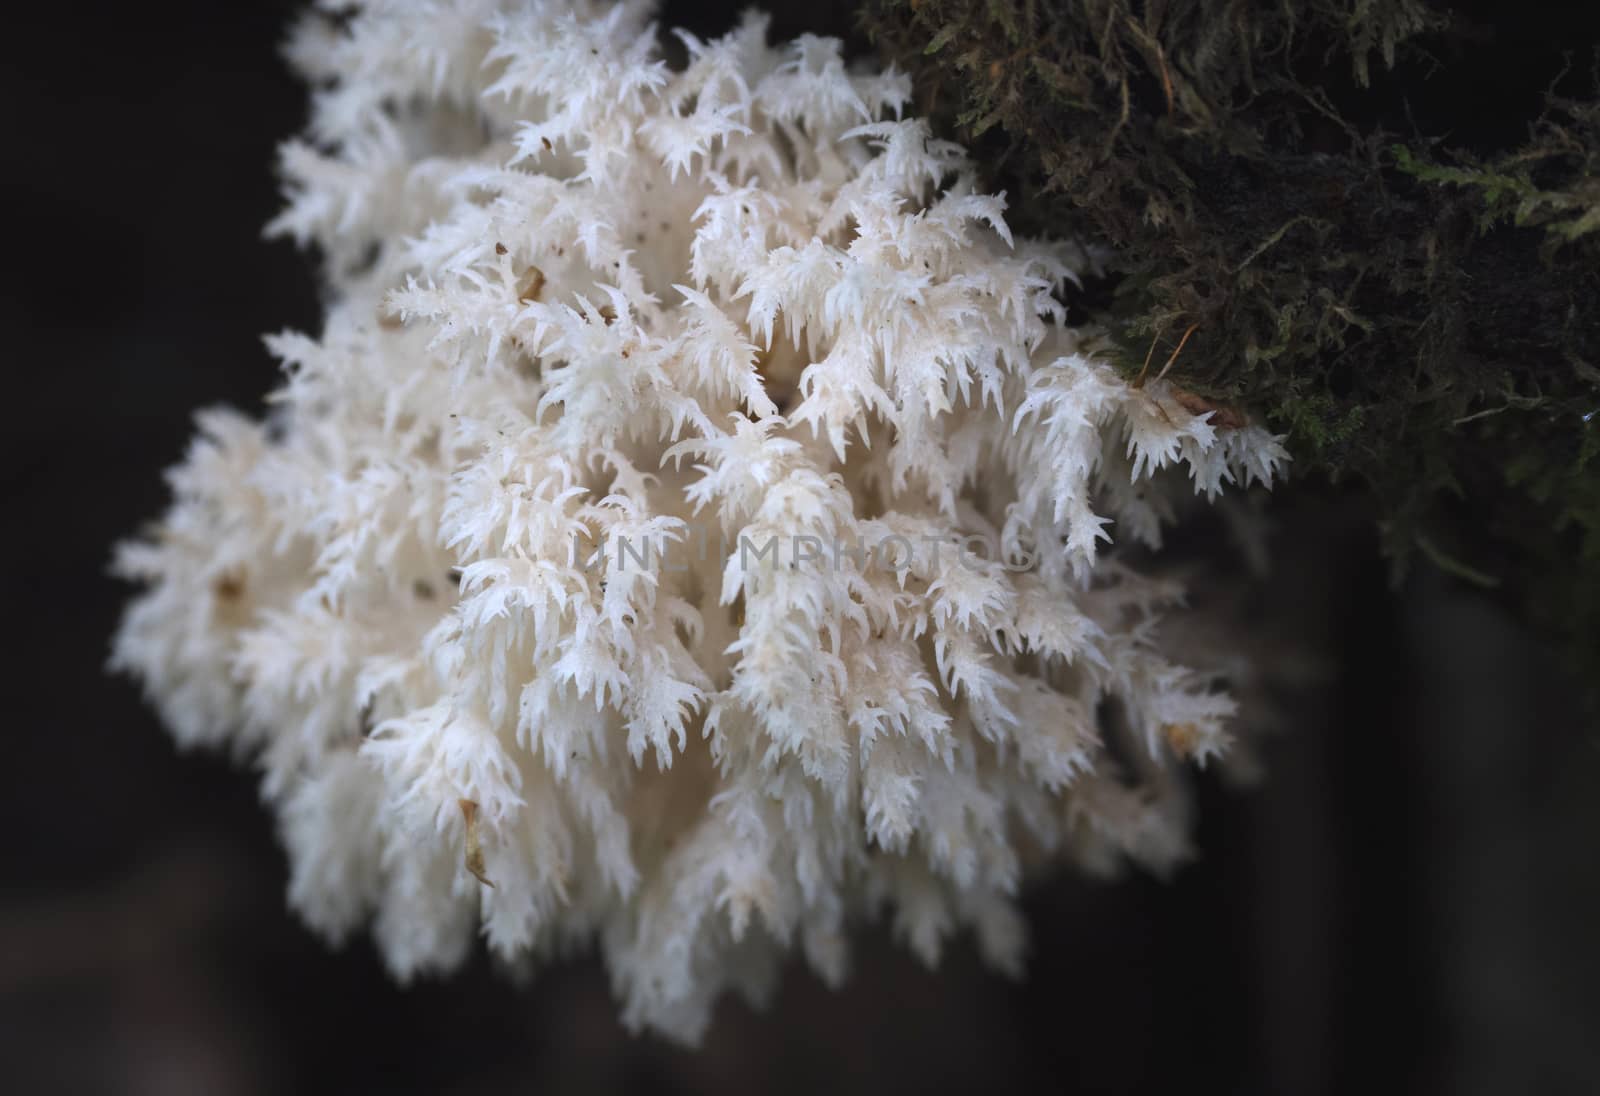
point(1418, 313)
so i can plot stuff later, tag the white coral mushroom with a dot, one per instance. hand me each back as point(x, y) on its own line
point(687, 533)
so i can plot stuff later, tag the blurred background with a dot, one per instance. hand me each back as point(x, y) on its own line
point(1406, 903)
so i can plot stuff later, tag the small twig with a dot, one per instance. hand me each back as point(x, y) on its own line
point(1166, 77)
point(1122, 120)
point(1152, 42)
point(1178, 350)
point(1455, 567)
point(1139, 380)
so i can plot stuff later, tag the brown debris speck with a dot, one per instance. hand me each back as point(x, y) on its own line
point(474, 853)
point(530, 285)
point(1182, 737)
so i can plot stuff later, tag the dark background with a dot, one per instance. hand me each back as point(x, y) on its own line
point(1407, 903)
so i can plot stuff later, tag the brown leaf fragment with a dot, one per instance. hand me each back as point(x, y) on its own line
point(1223, 416)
